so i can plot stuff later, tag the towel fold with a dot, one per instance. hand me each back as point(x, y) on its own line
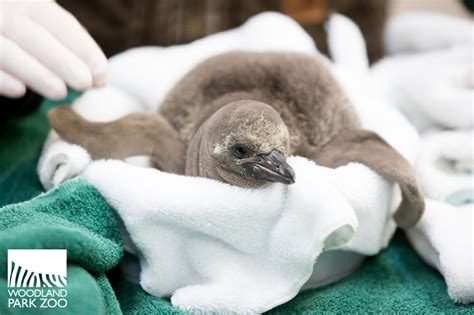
point(444, 236)
point(61, 161)
point(438, 49)
point(444, 239)
point(215, 247)
point(445, 166)
point(430, 79)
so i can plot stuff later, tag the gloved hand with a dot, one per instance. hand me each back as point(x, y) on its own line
point(44, 47)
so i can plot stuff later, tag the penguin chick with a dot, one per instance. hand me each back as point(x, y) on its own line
point(245, 143)
point(237, 116)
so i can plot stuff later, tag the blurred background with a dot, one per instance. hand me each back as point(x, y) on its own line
point(120, 24)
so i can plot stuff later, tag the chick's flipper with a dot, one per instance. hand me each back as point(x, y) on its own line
point(134, 134)
point(368, 148)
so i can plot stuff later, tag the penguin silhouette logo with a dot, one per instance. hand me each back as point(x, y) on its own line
point(37, 268)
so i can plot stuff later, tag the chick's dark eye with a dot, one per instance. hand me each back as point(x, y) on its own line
point(240, 151)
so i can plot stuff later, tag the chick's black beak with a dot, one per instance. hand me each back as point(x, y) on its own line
point(271, 167)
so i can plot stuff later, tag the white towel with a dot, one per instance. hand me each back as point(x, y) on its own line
point(432, 83)
point(426, 31)
point(138, 80)
point(445, 166)
point(214, 247)
point(444, 237)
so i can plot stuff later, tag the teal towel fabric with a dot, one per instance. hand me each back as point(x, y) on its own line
point(396, 281)
point(136, 301)
point(75, 217)
point(86, 295)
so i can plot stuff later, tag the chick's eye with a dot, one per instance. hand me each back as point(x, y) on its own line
point(240, 151)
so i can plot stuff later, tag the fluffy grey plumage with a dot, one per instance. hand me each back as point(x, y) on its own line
point(237, 116)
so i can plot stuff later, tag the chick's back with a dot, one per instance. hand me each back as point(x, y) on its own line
point(299, 87)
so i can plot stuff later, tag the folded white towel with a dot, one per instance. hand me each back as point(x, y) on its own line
point(432, 84)
point(445, 166)
point(56, 165)
point(190, 223)
point(426, 31)
point(214, 247)
point(225, 248)
point(444, 239)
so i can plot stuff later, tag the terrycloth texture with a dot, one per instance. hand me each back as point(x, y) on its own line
point(222, 248)
point(58, 167)
point(87, 294)
point(89, 291)
point(444, 167)
point(21, 140)
point(445, 242)
point(444, 235)
point(394, 281)
point(74, 217)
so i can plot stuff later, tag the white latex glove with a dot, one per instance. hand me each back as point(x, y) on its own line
point(43, 47)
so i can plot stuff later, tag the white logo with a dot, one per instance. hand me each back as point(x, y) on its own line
point(36, 268)
point(37, 278)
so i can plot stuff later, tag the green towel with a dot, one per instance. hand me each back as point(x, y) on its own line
point(74, 216)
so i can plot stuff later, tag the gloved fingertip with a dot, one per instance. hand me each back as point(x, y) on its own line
point(15, 91)
point(469, 80)
point(99, 72)
point(80, 78)
point(82, 84)
point(56, 92)
point(99, 81)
